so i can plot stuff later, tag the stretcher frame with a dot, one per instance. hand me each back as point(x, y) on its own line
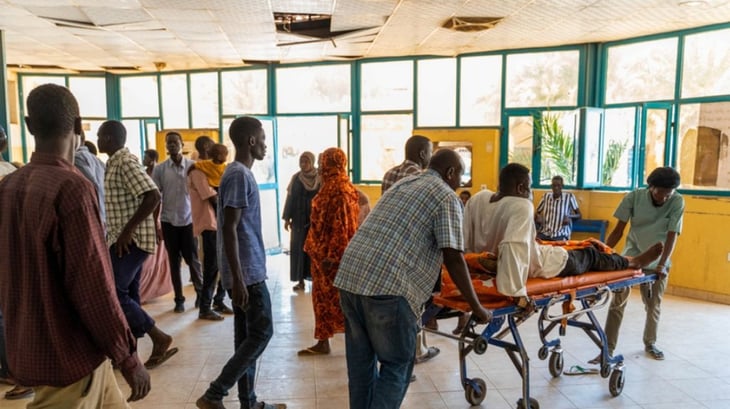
point(591, 299)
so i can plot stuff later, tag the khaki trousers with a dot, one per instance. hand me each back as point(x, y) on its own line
point(97, 390)
point(652, 295)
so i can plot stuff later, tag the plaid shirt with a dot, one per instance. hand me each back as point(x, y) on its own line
point(407, 168)
point(56, 282)
point(124, 184)
point(397, 250)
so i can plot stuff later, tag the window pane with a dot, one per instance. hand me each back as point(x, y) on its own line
point(204, 99)
point(706, 65)
point(437, 92)
point(269, 218)
point(557, 132)
point(244, 92)
point(134, 140)
point(139, 96)
point(90, 92)
point(703, 158)
point(655, 141)
point(383, 138)
point(91, 129)
point(618, 147)
point(542, 79)
point(642, 71)
point(175, 101)
point(481, 80)
point(519, 149)
point(387, 86)
point(30, 82)
point(317, 88)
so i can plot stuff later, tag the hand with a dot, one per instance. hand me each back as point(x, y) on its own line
point(566, 221)
point(481, 315)
point(287, 224)
point(239, 296)
point(138, 380)
point(123, 242)
point(158, 233)
point(662, 271)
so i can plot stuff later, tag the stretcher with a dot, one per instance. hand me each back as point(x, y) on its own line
point(580, 296)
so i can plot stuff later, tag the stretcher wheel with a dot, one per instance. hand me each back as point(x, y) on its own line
point(605, 371)
point(474, 396)
point(556, 364)
point(616, 383)
point(480, 345)
point(542, 353)
point(533, 404)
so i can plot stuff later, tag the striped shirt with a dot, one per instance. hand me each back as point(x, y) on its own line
point(125, 182)
point(397, 250)
point(554, 211)
point(407, 168)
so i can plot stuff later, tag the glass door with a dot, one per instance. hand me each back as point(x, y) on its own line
point(656, 122)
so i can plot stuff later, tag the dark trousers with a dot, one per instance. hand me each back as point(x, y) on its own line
point(4, 370)
point(127, 272)
point(181, 244)
point(211, 283)
point(590, 259)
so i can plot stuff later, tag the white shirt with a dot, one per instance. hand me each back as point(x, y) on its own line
point(506, 228)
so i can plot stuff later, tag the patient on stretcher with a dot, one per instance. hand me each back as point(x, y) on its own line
point(502, 224)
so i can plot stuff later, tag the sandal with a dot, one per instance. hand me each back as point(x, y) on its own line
point(298, 287)
point(655, 353)
point(155, 361)
point(579, 370)
point(431, 353)
point(264, 405)
point(19, 392)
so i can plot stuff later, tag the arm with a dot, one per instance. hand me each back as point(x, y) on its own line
point(231, 218)
point(616, 234)
point(456, 266)
point(150, 201)
point(574, 205)
point(513, 265)
point(199, 183)
point(667, 252)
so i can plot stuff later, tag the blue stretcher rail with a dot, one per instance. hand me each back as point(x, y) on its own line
point(590, 299)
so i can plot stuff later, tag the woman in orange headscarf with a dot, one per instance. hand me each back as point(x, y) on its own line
point(334, 220)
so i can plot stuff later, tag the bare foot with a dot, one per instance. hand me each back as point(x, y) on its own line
point(320, 348)
point(645, 258)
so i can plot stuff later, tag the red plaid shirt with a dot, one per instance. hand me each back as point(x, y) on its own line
point(62, 316)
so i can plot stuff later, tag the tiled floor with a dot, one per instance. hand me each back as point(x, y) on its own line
point(694, 336)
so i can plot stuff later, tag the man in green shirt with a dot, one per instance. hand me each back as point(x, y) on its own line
point(655, 214)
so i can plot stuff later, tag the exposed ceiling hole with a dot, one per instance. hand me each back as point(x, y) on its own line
point(314, 28)
point(470, 24)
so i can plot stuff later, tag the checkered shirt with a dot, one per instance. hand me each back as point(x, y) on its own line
point(407, 168)
point(125, 182)
point(397, 250)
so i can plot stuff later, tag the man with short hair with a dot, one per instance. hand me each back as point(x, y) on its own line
point(383, 292)
point(170, 177)
point(242, 262)
point(93, 169)
point(555, 213)
point(131, 198)
point(655, 213)
point(203, 201)
point(56, 283)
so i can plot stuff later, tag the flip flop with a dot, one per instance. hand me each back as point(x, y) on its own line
point(310, 351)
point(155, 361)
point(19, 392)
point(265, 405)
point(579, 370)
point(431, 353)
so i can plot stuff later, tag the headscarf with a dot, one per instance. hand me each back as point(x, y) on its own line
point(335, 209)
point(310, 180)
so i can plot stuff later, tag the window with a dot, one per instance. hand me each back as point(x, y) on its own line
point(437, 92)
point(642, 71)
point(204, 99)
point(387, 86)
point(481, 96)
point(244, 92)
point(90, 92)
point(139, 97)
point(316, 88)
point(519, 142)
point(706, 64)
point(29, 83)
point(382, 143)
point(618, 147)
point(703, 159)
point(175, 101)
point(546, 79)
point(556, 135)
point(134, 138)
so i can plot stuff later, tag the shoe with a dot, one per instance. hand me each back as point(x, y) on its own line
point(205, 403)
point(19, 392)
point(413, 378)
point(222, 309)
point(210, 315)
point(654, 352)
point(432, 324)
point(179, 307)
point(264, 405)
point(431, 353)
point(298, 287)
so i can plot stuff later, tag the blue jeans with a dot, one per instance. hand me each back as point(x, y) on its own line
point(127, 272)
point(253, 329)
point(379, 329)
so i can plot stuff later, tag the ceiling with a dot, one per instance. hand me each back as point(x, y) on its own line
point(153, 35)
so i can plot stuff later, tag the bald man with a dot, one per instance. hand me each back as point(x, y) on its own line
point(419, 217)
